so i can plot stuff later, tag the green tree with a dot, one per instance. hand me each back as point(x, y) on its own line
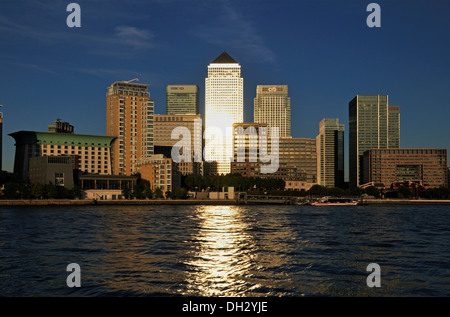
point(37, 190)
point(404, 192)
point(126, 192)
point(77, 192)
point(147, 193)
point(158, 193)
point(51, 191)
point(373, 191)
point(181, 193)
point(137, 191)
point(318, 190)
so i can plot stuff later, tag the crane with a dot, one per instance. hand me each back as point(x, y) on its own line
point(129, 81)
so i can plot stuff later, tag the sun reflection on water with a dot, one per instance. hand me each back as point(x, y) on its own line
point(222, 261)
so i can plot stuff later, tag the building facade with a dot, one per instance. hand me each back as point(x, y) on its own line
point(165, 125)
point(272, 106)
point(386, 166)
point(55, 169)
point(181, 99)
point(330, 153)
point(297, 158)
point(129, 118)
point(224, 105)
point(369, 128)
point(92, 153)
point(160, 172)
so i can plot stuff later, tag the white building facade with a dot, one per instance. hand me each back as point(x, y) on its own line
point(224, 106)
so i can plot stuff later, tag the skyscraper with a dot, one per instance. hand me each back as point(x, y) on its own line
point(330, 153)
point(369, 128)
point(394, 126)
point(224, 105)
point(181, 99)
point(272, 106)
point(129, 117)
point(1, 140)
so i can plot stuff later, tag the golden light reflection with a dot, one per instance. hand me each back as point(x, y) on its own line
point(222, 262)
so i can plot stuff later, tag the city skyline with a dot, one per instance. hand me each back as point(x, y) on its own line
point(66, 76)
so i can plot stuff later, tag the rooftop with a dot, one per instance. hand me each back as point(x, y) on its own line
point(224, 58)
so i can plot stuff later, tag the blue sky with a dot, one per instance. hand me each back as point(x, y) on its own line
point(322, 49)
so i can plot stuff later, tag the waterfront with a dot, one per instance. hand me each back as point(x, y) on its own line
point(257, 251)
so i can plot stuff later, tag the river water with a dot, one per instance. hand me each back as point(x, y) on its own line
point(225, 250)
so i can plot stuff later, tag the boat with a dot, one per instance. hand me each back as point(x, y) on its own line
point(329, 201)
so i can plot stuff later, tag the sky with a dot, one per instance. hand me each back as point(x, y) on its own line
point(322, 49)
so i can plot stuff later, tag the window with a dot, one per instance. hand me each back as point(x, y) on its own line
point(59, 179)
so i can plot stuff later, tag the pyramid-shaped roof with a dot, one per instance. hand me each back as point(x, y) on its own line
point(224, 58)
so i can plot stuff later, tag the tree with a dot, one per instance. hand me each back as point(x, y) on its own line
point(318, 190)
point(137, 192)
point(37, 190)
point(50, 190)
point(181, 193)
point(147, 193)
point(125, 192)
point(158, 193)
point(404, 192)
point(76, 192)
point(373, 191)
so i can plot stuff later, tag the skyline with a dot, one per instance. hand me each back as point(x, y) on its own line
point(50, 71)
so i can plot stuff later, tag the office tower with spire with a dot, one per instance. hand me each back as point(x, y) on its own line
point(373, 124)
point(129, 117)
point(272, 106)
point(330, 153)
point(224, 105)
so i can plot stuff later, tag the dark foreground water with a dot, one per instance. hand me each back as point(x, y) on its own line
point(225, 250)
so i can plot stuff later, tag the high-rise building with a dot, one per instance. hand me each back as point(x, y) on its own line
point(129, 117)
point(330, 153)
point(224, 105)
point(386, 166)
point(369, 128)
point(393, 126)
point(272, 106)
point(1, 140)
point(164, 125)
point(181, 99)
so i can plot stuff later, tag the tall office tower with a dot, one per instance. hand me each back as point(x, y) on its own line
point(1, 140)
point(181, 99)
point(369, 129)
point(330, 153)
point(224, 105)
point(394, 126)
point(272, 106)
point(129, 117)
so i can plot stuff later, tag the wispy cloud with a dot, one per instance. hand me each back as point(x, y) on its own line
point(122, 40)
point(38, 68)
point(232, 30)
point(134, 37)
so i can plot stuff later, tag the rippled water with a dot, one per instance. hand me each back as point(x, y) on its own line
point(225, 250)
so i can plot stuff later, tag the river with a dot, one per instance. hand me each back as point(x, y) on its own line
point(233, 251)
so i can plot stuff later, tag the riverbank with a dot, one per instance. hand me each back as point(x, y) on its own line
point(74, 202)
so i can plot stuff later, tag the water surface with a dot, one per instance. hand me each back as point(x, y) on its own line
point(225, 250)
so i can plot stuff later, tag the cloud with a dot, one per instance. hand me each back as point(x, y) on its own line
point(232, 31)
point(134, 37)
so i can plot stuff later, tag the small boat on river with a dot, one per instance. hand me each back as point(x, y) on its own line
point(329, 201)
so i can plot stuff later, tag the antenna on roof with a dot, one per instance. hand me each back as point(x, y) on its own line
point(129, 81)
